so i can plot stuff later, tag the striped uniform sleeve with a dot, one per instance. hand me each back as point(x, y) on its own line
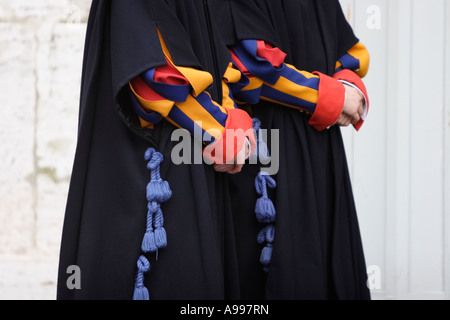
point(350, 68)
point(271, 79)
point(356, 59)
point(178, 94)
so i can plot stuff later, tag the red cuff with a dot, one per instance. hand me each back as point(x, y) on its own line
point(352, 77)
point(238, 127)
point(330, 103)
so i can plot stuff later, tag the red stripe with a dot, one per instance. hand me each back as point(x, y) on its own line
point(169, 74)
point(239, 64)
point(144, 91)
point(272, 54)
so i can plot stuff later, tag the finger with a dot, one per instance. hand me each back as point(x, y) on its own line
point(355, 118)
point(346, 122)
point(340, 120)
point(219, 169)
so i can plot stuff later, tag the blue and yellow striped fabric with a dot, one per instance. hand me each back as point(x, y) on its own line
point(277, 82)
point(356, 59)
point(179, 95)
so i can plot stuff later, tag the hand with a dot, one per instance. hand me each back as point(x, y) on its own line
point(353, 107)
point(238, 163)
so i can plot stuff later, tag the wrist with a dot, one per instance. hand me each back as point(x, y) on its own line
point(350, 78)
point(330, 103)
point(238, 131)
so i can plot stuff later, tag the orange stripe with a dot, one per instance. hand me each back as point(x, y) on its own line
point(196, 113)
point(360, 52)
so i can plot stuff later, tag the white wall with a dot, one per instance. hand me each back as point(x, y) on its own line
point(41, 46)
point(400, 159)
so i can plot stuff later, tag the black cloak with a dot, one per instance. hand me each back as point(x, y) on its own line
point(317, 247)
point(212, 251)
point(106, 210)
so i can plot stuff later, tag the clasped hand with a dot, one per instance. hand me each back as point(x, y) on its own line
point(353, 107)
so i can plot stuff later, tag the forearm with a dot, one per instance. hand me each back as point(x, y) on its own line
point(356, 59)
point(184, 101)
point(273, 80)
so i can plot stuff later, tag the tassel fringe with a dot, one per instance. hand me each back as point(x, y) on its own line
point(140, 291)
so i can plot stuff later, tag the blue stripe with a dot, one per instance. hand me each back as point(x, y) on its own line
point(251, 46)
point(205, 101)
point(349, 62)
point(172, 92)
point(259, 67)
point(300, 79)
point(249, 96)
point(238, 86)
point(279, 96)
point(153, 117)
point(181, 119)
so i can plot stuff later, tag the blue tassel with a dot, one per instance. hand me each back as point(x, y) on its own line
point(266, 255)
point(148, 243)
point(154, 239)
point(160, 232)
point(160, 238)
point(265, 210)
point(261, 236)
point(266, 235)
point(140, 291)
point(155, 236)
point(262, 181)
point(157, 189)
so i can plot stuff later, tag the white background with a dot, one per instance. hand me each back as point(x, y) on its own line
point(400, 159)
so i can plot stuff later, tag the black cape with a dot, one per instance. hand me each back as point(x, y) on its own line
point(105, 219)
point(317, 251)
